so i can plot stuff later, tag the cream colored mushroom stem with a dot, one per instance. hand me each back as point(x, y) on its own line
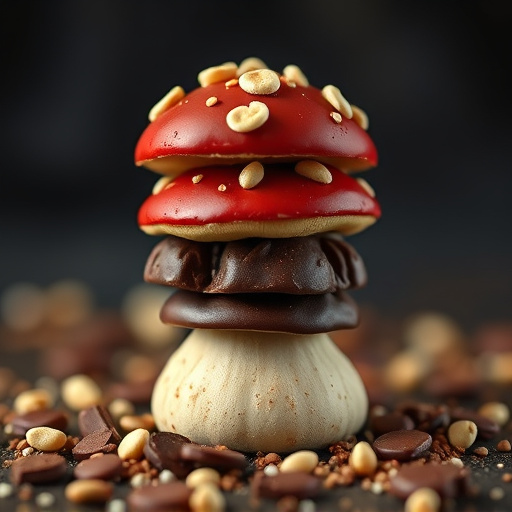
point(255, 391)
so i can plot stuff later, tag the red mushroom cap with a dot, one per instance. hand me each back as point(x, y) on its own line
point(191, 134)
point(284, 204)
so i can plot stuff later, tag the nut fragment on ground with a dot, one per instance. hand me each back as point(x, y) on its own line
point(462, 433)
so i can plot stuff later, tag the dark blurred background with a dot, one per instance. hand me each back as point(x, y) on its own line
point(78, 79)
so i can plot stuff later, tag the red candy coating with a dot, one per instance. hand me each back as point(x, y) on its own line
point(282, 194)
point(299, 126)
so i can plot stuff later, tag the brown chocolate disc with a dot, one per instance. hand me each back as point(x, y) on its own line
point(295, 314)
point(105, 467)
point(163, 450)
point(402, 445)
point(304, 265)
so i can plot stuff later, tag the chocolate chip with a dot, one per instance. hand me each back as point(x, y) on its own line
point(301, 485)
point(44, 418)
point(163, 451)
point(207, 456)
point(448, 480)
point(105, 467)
point(97, 418)
point(487, 429)
point(402, 445)
point(385, 423)
point(37, 469)
point(97, 442)
point(427, 417)
point(157, 498)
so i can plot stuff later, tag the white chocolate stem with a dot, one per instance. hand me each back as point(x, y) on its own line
point(259, 391)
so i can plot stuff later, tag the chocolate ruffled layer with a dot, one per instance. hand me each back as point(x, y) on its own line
point(296, 314)
point(316, 264)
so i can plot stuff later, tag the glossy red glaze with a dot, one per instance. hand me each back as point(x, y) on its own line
point(282, 194)
point(299, 126)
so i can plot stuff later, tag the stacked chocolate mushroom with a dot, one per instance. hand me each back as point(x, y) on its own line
point(254, 202)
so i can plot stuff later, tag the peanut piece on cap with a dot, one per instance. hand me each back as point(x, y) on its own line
point(246, 119)
point(250, 64)
point(216, 74)
point(360, 117)
point(294, 74)
point(260, 81)
point(314, 171)
point(251, 175)
point(161, 184)
point(168, 101)
point(333, 95)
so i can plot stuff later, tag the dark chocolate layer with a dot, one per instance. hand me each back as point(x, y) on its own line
point(296, 314)
point(314, 264)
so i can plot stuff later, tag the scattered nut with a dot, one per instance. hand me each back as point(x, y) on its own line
point(481, 451)
point(294, 74)
point(423, 500)
point(132, 422)
point(212, 100)
point(46, 439)
point(360, 117)
point(251, 175)
point(260, 81)
point(363, 459)
point(222, 188)
point(132, 445)
point(88, 491)
point(314, 171)
point(202, 476)
point(197, 178)
point(207, 498)
point(168, 101)
point(80, 392)
point(462, 434)
point(303, 460)
point(32, 400)
point(161, 184)
point(245, 119)
point(333, 95)
point(216, 74)
point(250, 64)
point(495, 411)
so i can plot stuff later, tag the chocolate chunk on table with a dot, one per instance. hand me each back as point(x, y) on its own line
point(105, 467)
point(97, 442)
point(44, 418)
point(448, 480)
point(97, 418)
point(38, 469)
point(157, 498)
